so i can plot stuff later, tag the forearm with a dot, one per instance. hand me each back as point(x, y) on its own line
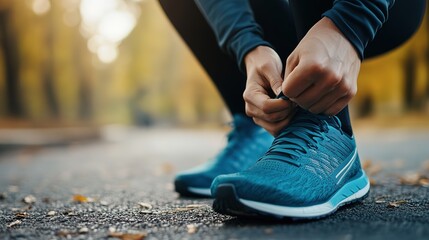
point(234, 25)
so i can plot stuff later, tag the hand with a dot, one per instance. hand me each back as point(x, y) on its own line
point(321, 73)
point(264, 80)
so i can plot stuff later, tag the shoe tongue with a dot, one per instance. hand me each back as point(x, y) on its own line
point(304, 115)
point(240, 121)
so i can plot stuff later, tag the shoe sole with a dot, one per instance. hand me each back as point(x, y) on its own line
point(185, 191)
point(227, 202)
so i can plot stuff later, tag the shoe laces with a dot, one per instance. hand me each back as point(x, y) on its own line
point(296, 139)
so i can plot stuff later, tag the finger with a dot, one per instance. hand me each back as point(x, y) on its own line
point(339, 105)
point(253, 111)
point(273, 75)
point(325, 102)
point(273, 128)
point(291, 63)
point(265, 103)
point(300, 78)
point(314, 94)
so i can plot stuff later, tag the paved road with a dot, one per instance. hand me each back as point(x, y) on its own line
point(137, 166)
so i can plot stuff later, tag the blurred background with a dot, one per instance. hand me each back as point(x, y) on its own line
point(83, 64)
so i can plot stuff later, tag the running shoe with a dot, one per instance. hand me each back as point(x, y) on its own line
point(311, 169)
point(247, 142)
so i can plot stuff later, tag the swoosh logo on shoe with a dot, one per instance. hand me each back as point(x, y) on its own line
point(340, 175)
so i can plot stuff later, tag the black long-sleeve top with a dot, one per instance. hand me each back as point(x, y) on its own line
point(238, 33)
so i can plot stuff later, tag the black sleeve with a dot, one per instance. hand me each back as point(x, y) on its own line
point(234, 26)
point(359, 20)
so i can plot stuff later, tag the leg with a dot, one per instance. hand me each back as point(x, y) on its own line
point(312, 167)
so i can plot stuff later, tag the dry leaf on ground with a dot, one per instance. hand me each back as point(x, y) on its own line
point(128, 236)
point(381, 199)
point(81, 198)
point(194, 206)
point(30, 199)
point(145, 206)
point(21, 215)
point(415, 179)
point(51, 213)
point(65, 233)
point(192, 228)
point(83, 230)
point(371, 170)
point(396, 204)
point(14, 223)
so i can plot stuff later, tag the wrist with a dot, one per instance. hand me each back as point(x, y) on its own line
point(255, 56)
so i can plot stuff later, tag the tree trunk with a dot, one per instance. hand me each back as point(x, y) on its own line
point(8, 42)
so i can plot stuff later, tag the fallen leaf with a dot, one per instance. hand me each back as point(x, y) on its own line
point(194, 206)
point(64, 233)
point(396, 204)
point(128, 236)
point(51, 213)
point(145, 206)
point(30, 199)
point(14, 223)
point(415, 179)
point(21, 215)
point(424, 182)
point(370, 168)
point(381, 199)
point(192, 228)
point(83, 230)
point(81, 199)
point(146, 211)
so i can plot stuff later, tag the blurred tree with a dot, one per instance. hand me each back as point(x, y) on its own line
point(8, 41)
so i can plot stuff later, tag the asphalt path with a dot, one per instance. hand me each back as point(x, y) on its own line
point(123, 185)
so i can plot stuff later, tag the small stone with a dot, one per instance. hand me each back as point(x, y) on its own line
point(104, 203)
point(30, 199)
point(83, 230)
point(52, 213)
point(112, 229)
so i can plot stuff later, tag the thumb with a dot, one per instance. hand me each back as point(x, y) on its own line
point(273, 75)
point(291, 64)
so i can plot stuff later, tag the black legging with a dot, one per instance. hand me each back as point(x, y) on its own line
point(284, 23)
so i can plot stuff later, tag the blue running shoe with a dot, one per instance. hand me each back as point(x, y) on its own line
point(247, 142)
point(311, 169)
